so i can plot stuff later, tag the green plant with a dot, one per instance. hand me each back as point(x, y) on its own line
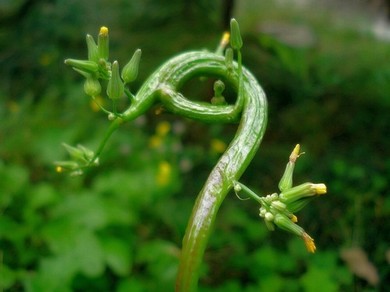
point(163, 88)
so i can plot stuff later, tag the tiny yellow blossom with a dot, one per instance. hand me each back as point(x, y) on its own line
point(59, 169)
point(225, 39)
point(103, 31)
point(163, 128)
point(295, 153)
point(294, 218)
point(218, 145)
point(320, 189)
point(309, 242)
point(163, 173)
point(155, 141)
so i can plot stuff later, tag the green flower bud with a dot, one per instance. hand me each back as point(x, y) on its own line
point(218, 98)
point(286, 224)
point(92, 87)
point(237, 188)
point(298, 205)
point(229, 59)
point(235, 35)
point(79, 153)
point(262, 212)
point(270, 225)
point(103, 43)
point(86, 66)
point(268, 216)
point(61, 166)
point(75, 153)
point(302, 191)
point(115, 87)
point(130, 71)
point(277, 205)
point(93, 54)
point(286, 181)
point(219, 87)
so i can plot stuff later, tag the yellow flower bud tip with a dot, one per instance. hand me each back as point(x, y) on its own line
point(59, 169)
point(225, 39)
point(294, 218)
point(295, 153)
point(309, 242)
point(103, 31)
point(319, 189)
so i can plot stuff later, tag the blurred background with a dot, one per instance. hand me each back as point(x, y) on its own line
point(325, 68)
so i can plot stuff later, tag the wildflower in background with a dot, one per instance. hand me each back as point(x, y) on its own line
point(162, 129)
point(164, 172)
point(217, 146)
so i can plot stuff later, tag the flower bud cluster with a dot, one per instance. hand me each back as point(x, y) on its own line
point(278, 209)
point(98, 67)
point(81, 157)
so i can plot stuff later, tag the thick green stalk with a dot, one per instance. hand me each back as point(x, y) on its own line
point(251, 107)
point(250, 110)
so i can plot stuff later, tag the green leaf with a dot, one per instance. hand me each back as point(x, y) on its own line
point(318, 279)
point(89, 254)
point(118, 256)
point(7, 277)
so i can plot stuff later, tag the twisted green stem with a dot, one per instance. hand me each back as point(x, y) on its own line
point(250, 110)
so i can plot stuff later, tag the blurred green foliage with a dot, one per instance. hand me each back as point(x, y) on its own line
point(119, 227)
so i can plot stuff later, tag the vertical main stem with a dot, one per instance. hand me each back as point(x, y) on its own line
point(228, 169)
point(199, 229)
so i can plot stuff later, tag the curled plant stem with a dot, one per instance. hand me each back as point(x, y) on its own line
point(249, 110)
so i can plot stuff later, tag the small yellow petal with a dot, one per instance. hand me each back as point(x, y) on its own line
point(59, 169)
point(225, 39)
point(103, 31)
point(320, 189)
point(294, 219)
point(164, 173)
point(309, 242)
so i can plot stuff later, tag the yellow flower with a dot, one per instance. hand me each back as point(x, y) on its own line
point(155, 141)
point(294, 218)
point(309, 242)
point(320, 189)
point(163, 128)
point(217, 146)
point(103, 31)
point(164, 172)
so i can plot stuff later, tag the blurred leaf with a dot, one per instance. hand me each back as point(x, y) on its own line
point(7, 276)
point(117, 254)
point(42, 195)
point(318, 279)
point(89, 254)
point(131, 285)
